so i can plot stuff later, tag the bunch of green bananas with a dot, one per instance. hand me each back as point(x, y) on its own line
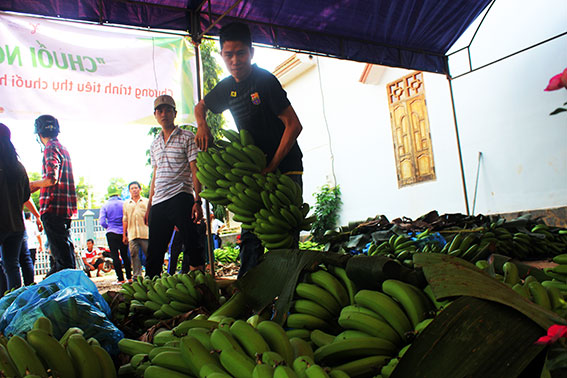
point(548, 294)
point(40, 354)
point(372, 328)
point(229, 348)
point(227, 254)
point(400, 247)
point(311, 246)
point(167, 296)
point(270, 205)
point(558, 273)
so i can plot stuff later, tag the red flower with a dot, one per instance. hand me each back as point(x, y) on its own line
point(554, 333)
point(557, 82)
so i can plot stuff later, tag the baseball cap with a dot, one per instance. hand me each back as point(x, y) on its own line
point(4, 131)
point(164, 100)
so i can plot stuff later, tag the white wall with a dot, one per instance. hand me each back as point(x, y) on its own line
point(358, 120)
point(502, 111)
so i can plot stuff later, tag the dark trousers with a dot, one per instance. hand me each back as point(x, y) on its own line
point(10, 245)
point(26, 262)
point(251, 249)
point(175, 249)
point(164, 216)
point(117, 247)
point(57, 229)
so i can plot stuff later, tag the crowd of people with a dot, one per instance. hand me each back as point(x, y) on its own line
point(140, 230)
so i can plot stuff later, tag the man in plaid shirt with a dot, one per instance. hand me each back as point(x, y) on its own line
point(57, 198)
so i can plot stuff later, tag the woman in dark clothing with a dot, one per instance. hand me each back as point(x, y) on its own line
point(14, 192)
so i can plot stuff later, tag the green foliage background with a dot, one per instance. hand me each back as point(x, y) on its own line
point(328, 204)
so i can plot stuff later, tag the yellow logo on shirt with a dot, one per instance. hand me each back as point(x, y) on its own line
point(233, 94)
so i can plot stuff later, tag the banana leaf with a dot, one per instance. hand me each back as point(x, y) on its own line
point(451, 276)
point(474, 338)
point(277, 276)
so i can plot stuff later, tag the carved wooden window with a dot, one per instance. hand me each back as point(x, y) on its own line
point(410, 130)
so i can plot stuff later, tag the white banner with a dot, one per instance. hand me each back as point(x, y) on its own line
point(81, 72)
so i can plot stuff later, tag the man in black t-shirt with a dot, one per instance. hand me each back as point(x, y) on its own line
point(258, 104)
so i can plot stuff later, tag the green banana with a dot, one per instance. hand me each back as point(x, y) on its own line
point(44, 323)
point(364, 310)
point(82, 356)
point(195, 355)
point(306, 306)
point(70, 331)
point(233, 307)
point(539, 294)
point(172, 360)
point(276, 338)
point(182, 328)
point(367, 366)
point(300, 347)
point(251, 340)
point(263, 371)
point(328, 282)
point(7, 366)
point(105, 361)
point(511, 274)
point(560, 259)
point(342, 275)
point(283, 371)
point(319, 295)
point(387, 308)
point(297, 320)
point(132, 347)
point(298, 332)
point(221, 340)
point(408, 298)
point(370, 325)
point(163, 337)
point(354, 348)
point(351, 333)
point(321, 338)
point(155, 371)
point(24, 357)
point(203, 335)
point(237, 364)
point(316, 371)
point(271, 358)
point(52, 352)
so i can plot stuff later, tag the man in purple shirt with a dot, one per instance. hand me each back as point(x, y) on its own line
point(111, 219)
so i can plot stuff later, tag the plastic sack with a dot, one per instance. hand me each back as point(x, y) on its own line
point(67, 300)
point(431, 238)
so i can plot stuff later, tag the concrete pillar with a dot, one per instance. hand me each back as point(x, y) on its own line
point(89, 225)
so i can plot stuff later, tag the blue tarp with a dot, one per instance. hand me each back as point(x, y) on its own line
point(413, 34)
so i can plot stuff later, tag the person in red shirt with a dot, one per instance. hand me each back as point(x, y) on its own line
point(57, 198)
point(92, 258)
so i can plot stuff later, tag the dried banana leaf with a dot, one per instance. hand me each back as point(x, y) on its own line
point(474, 338)
point(450, 277)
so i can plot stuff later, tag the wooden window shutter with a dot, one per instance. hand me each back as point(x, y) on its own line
point(410, 130)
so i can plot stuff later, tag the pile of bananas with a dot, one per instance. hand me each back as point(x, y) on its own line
point(227, 254)
point(270, 205)
point(166, 296)
point(40, 354)
point(557, 274)
point(547, 294)
point(477, 244)
point(229, 348)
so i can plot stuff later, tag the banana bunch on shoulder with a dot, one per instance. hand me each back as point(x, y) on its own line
point(270, 205)
point(169, 295)
point(42, 355)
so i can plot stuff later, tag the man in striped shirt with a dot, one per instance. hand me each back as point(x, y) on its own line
point(57, 198)
point(174, 191)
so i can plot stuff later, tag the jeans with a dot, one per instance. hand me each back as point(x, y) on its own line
point(164, 216)
point(136, 246)
point(251, 249)
point(26, 262)
point(57, 229)
point(10, 243)
point(116, 246)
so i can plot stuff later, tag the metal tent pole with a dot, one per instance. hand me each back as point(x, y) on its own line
point(459, 145)
point(196, 43)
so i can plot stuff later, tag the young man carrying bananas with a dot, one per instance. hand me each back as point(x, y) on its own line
point(259, 105)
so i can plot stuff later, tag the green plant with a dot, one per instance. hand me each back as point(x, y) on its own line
point(328, 203)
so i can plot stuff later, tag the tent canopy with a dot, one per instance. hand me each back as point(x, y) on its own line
point(413, 34)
